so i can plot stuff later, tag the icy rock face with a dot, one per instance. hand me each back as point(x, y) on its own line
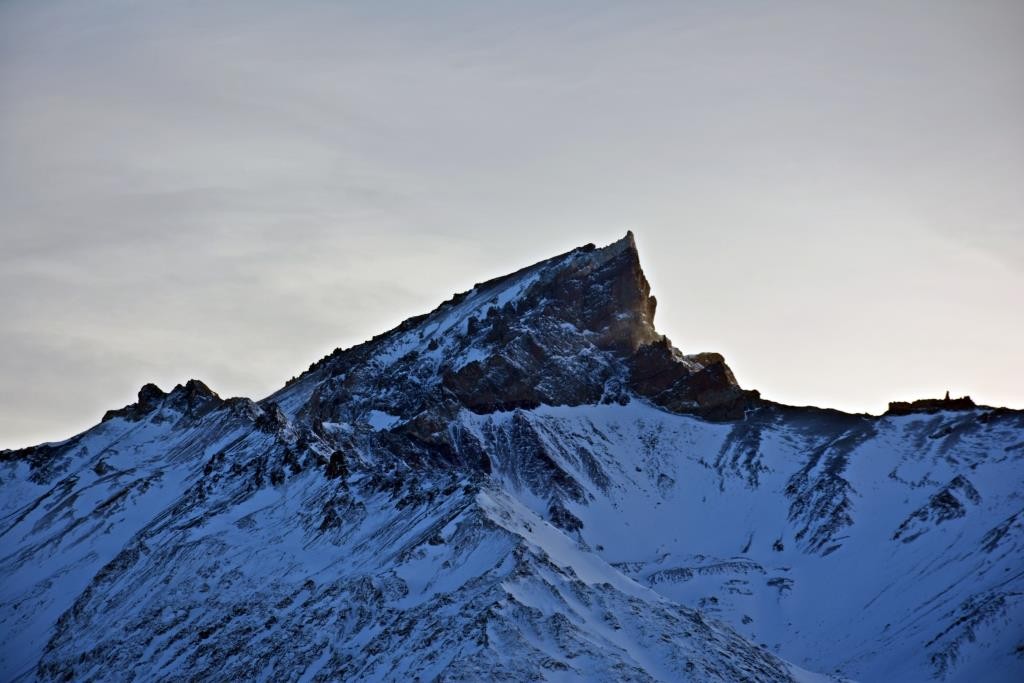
point(528, 483)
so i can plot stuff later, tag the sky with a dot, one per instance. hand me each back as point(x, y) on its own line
point(829, 194)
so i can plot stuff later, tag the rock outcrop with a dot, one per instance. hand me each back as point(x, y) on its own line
point(572, 330)
point(927, 406)
point(193, 398)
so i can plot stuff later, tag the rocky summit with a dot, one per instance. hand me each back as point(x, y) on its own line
point(527, 483)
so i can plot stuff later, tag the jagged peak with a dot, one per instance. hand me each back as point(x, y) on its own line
point(194, 389)
point(577, 328)
point(568, 282)
point(151, 393)
point(625, 243)
point(192, 395)
point(630, 315)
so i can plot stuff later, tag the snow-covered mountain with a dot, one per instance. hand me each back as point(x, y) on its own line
point(528, 483)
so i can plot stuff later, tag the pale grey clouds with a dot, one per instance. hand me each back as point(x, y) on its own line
point(828, 194)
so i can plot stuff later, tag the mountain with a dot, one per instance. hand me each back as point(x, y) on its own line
point(527, 483)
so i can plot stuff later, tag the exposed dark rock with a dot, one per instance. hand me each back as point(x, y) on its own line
point(194, 399)
point(271, 419)
point(928, 406)
point(995, 536)
point(563, 519)
point(949, 503)
point(337, 468)
point(150, 398)
point(820, 493)
point(701, 384)
point(277, 476)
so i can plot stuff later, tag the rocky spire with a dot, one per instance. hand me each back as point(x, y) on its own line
point(574, 329)
point(193, 398)
point(616, 297)
point(150, 397)
point(603, 292)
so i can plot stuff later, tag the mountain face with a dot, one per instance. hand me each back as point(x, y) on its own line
point(528, 483)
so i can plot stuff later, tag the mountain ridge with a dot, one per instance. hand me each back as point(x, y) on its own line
point(656, 356)
point(528, 482)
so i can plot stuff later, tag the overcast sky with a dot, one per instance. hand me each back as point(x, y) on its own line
point(830, 195)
